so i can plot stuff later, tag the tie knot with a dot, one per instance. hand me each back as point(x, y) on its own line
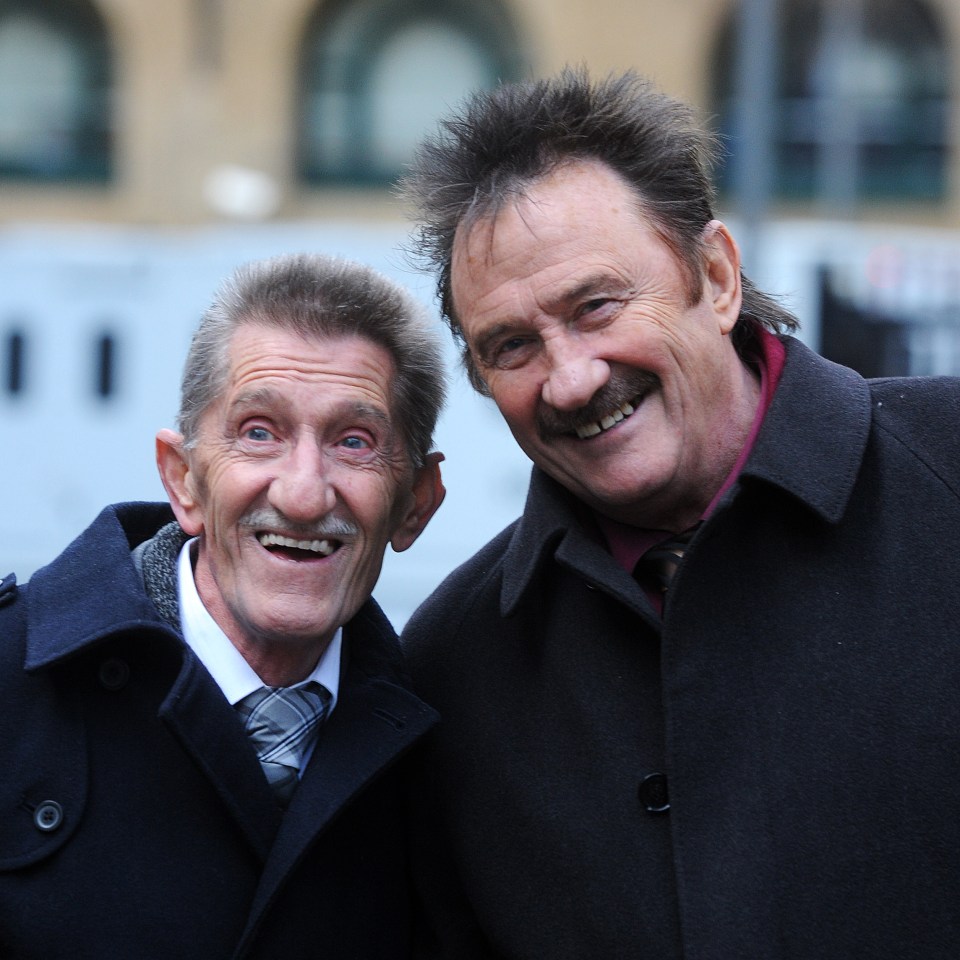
point(662, 561)
point(281, 722)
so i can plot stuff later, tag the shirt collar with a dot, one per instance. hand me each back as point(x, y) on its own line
point(235, 677)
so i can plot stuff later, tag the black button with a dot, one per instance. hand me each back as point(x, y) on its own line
point(653, 793)
point(48, 816)
point(114, 673)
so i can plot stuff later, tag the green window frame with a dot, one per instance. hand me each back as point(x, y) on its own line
point(863, 101)
point(369, 86)
point(56, 81)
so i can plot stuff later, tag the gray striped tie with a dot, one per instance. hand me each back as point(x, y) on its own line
point(282, 722)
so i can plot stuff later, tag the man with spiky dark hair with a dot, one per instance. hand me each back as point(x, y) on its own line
point(700, 700)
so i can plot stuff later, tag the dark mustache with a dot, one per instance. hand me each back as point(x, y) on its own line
point(613, 394)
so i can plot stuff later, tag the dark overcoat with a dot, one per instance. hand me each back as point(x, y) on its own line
point(135, 822)
point(770, 773)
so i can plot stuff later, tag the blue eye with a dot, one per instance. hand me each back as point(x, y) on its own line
point(354, 443)
point(259, 434)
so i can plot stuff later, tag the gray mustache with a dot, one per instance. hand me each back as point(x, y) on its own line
point(263, 519)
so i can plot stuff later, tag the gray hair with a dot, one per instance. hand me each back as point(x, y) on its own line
point(507, 139)
point(320, 296)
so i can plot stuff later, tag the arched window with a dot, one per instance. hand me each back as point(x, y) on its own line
point(54, 91)
point(376, 74)
point(860, 100)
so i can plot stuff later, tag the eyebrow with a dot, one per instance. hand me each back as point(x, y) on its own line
point(262, 396)
point(364, 410)
point(591, 284)
point(268, 397)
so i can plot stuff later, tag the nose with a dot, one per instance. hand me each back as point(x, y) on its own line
point(301, 489)
point(575, 374)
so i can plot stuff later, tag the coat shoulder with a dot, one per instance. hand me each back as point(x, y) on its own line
point(473, 586)
point(921, 414)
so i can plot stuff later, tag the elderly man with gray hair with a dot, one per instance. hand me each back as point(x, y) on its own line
point(205, 712)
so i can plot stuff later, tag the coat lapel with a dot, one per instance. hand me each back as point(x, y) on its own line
point(375, 722)
point(209, 730)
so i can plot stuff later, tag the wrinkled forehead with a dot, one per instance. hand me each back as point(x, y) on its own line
point(558, 235)
point(567, 180)
point(259, 354)
point(568, 210)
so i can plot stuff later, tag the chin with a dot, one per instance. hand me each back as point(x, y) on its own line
point(287, 627)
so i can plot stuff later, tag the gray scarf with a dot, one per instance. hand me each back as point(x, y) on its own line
point(156, 560)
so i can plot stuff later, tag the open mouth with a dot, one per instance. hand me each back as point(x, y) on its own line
point(610, 420)
point(295, 549)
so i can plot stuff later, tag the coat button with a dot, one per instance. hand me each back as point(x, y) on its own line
point(653, 793)
point(114, 673)
point(48, 816)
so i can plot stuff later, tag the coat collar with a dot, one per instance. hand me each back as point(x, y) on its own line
point(93, 590)
point(812, 442)
point(811, 446)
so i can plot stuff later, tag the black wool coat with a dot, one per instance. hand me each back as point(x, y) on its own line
point(135, 822)
point(771, 772)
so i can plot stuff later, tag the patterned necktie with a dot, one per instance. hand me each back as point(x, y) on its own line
point(281, 722)
point(661, 562)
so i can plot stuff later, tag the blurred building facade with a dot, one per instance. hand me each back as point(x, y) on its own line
point(147, 147)
point(191, 110)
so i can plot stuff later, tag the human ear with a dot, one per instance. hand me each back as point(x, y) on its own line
point(722, 279)
point(425, 498)
point(179, 481)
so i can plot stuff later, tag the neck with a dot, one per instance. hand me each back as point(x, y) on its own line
point(734, 437)
point(281, 668)
point(279, 656)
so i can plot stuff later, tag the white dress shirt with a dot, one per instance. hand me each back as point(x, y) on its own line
point(231, 672)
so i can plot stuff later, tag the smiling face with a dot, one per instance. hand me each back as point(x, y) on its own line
point(298, 481)
point(578, 317)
